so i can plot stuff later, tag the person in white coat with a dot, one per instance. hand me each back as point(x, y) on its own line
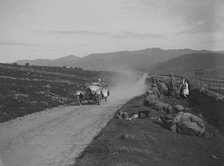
point(184, 88)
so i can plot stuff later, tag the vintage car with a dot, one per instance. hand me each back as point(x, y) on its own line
point(93, 93)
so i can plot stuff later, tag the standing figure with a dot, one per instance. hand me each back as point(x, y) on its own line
point(184, 91)
point(171, 86)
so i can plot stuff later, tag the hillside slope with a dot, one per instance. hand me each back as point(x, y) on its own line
point(25, 90)
point(210, 64)
point(146, 142)
point(135, 60)
point(64, 61)
point(115, 61)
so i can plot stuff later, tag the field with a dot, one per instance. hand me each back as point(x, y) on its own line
point(25, 90)
point(29, 89)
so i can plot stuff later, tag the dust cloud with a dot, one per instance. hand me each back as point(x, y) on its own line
point(131, 85)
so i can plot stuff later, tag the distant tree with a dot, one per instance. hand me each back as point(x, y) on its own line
point(27, 64)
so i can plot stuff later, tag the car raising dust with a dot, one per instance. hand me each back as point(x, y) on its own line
point(92, 94)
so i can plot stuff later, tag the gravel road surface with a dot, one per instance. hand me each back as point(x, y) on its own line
point(53, 137)
point(57, 136)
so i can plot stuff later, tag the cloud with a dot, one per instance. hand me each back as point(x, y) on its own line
point(128, 34)
point(80, 32)
point(125, 34)
point(197, 16)
point(15, 43)
point(190, 11)
point(215, 41)
point(207, 26)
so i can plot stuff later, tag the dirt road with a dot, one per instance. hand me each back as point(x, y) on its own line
point(56, 137)
point(53, 137)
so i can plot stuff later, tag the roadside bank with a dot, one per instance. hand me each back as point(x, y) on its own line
point(146, 142)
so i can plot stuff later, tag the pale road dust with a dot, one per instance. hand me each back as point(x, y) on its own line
point(57, 136)
point(53, 137)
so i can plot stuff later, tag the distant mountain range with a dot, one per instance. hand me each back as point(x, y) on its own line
point(64, 61)
point(126, 60)
point(143, 60)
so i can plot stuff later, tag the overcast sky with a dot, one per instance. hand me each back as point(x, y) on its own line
point(31, 29)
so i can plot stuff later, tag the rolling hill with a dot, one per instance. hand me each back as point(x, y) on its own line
point(141, 60)
point(209, 64)
point(126, 60)
point(64, 61)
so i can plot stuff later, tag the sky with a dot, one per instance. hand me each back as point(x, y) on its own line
point(31, 29)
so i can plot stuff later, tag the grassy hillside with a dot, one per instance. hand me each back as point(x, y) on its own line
point(29, 89)
point(207, 64)
point(64, 61)
point(24, 90)
point(146, 141)
point(135, 60)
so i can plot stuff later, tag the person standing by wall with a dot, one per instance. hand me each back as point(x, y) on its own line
point(184, 89)
point(171, 86)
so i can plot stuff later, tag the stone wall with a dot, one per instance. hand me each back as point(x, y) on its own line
point(211, 105)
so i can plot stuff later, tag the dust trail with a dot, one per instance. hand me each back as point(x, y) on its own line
point(128, 90)
point(140, 86)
